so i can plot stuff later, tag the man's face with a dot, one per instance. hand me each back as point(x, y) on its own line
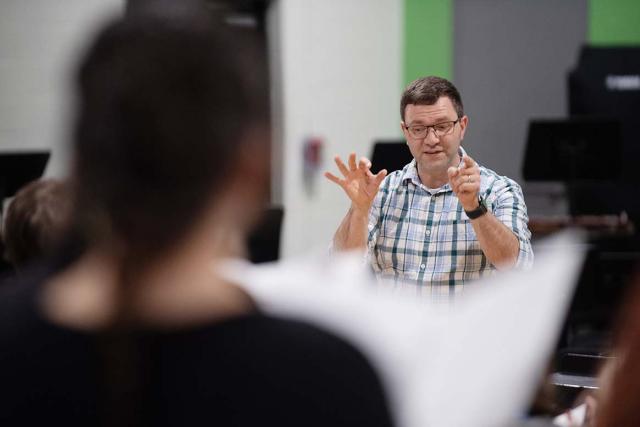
point(433, 154)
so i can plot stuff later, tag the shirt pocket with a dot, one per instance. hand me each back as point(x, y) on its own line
point(391, 241)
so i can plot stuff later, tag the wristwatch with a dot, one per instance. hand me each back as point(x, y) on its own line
point(479, 211)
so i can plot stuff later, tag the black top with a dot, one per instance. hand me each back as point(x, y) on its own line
point(247, 371)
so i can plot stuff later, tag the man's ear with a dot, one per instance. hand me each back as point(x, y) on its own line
point(464, 121)
point(403, 128)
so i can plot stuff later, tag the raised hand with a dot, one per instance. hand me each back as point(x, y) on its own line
point(358, 182)
point(465, 182)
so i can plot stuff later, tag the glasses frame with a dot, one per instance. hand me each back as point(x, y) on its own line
point(433, 127)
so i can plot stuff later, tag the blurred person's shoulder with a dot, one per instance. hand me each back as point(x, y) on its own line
point(283, 344)
point(254, 366)
point(19, 300)
point(281, 369)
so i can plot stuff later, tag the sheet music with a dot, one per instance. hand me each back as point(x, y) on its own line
point(474, 363)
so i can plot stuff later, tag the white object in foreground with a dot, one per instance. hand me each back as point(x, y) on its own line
point(475, 363)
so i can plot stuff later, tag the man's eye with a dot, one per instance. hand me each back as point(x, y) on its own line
point(442, 127)
point(418, 128)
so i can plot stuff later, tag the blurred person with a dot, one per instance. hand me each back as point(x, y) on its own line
point(35, 221)
point(443, 219)
point(138, 328)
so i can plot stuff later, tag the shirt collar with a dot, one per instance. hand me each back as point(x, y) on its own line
point(410, 173)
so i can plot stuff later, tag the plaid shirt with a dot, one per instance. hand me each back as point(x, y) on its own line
point(423, 237)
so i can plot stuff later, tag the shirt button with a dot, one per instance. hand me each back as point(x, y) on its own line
point(422, 266)
point(427, 233)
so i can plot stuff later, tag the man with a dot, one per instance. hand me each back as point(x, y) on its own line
point(443, 219)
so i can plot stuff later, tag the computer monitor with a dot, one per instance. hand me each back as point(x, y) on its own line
point(606, 81)
point(575, 149)
point(390, 155)
point(20, 168)
point(264, 240)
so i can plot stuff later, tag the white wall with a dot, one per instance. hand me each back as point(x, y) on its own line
point(337, 72)
point(39, 42)
point(340, 80)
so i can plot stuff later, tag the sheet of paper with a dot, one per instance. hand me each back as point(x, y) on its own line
point(476, 362)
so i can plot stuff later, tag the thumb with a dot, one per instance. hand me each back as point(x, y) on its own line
point(380, 176)
point(452, 172)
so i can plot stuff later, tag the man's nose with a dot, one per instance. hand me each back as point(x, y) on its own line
point(431, 138)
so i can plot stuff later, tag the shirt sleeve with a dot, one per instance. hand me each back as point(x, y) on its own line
point(509, 207)
point(373, 226)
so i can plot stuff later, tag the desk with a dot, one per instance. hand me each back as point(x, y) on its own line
point(595, 225)
point(560, 379)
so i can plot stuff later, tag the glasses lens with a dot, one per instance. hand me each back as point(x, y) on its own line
point(442, 129)
point(418, 131)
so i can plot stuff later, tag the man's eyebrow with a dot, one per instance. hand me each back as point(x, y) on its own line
point(437, 120)
point(443, 118)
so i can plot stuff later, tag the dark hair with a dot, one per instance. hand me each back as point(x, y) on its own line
point(427, 90)
point(168, 100)
point(165, 105)
point(35, 221)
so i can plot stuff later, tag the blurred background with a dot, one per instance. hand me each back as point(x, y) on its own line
point(552, 90)
point(338, 68)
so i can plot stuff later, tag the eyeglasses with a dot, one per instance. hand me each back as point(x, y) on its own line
point(439, 129)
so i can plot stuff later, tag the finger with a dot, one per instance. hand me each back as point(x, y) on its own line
point(341, 166)
point(469, 179)
point(452, 172)
point(469, 174)
point(380, 176)
point(352, 161)
point(332, 177)
point(468, 161)
point(371, 177)
point(468, 170)
point(460, 180)
point(364, 163)
point(455, 183)
point(468, 187)
point(454, 178)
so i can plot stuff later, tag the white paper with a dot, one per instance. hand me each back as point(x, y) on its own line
point(474, 363)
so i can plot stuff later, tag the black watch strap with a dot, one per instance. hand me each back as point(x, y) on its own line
point(479, 211)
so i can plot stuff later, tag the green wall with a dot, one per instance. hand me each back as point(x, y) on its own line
point(428, 39)
point(428, 33)
point(614, 22)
